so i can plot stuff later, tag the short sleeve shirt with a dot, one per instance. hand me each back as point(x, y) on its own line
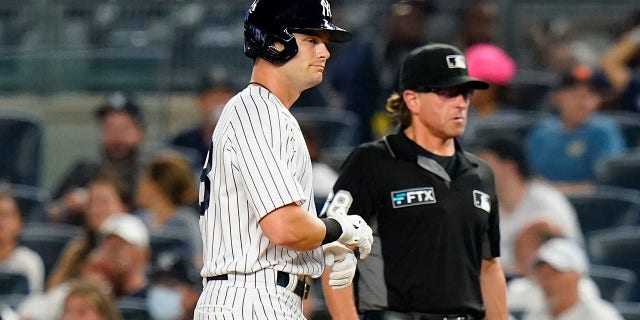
point(431, 230)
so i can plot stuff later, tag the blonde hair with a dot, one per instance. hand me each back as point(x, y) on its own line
point(398, 110)
point(97, 297)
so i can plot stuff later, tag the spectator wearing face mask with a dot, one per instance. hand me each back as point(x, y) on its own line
point(175, 287)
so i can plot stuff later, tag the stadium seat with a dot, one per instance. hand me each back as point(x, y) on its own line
point(606, 207)
point(630, 124)
point(622, 171)
point(31, 201)
point(516, 315)
point(136, 69)
point(12, 282)
point(21, 147)
point(614, 283)
point(337, 130)
point(529, 88)
point(48, 240)
point(629, 310)
point(13, 301)
point(133, 308)
point(514, 125)
point(14, 288)
point(617, 247)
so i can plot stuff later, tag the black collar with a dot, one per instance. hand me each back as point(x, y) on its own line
point(401, 147)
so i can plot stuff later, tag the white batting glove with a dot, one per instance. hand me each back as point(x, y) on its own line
point(355, 232)
point(342, 262)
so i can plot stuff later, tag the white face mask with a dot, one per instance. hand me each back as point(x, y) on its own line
point(164, 303)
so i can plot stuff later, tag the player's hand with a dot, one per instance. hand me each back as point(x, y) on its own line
point(355, 231)
point(342, 262)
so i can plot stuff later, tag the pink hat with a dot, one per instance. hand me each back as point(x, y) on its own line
point(490, 63)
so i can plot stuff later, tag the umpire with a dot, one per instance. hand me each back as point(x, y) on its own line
point(432, 206)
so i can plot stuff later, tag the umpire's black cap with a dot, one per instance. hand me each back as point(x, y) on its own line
point(436, 65)
point(120, 102)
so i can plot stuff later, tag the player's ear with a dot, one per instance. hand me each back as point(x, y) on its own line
point(412, 100)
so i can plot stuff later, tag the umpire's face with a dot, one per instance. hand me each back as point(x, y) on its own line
point(441, 113)
point(121, 136)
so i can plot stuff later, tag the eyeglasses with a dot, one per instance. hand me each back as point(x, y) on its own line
point(451, 92)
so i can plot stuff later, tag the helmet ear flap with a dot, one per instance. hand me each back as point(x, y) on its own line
point(259, 43)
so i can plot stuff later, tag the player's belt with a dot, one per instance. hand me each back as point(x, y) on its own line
point(393, 315)
point(300, 288)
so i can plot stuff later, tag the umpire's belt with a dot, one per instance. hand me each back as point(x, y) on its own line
point(393, 315)
point(301, 285)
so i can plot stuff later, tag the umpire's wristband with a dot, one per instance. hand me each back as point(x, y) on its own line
point(334, 230)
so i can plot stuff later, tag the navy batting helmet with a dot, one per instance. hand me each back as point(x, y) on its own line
point(270, 21)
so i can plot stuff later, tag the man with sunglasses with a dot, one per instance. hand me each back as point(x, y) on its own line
point(432, 206)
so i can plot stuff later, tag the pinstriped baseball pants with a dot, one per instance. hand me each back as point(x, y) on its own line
point(255, 297)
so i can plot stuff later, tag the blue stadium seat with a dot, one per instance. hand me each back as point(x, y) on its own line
point(614, 283)
point(622, 171)
point(133, 308)
point(21, 147)
point(629, 310)
point(336, 129)
point(31, 201)
point(530, 88)
point(135, 69)
point(48, 240)
point(630, 124)
point(515, 125)
point(12, 282)
point(606, 207)
point(618, 247)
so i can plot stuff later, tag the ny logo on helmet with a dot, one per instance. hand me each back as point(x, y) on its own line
point(253, 6)
point(326, 8)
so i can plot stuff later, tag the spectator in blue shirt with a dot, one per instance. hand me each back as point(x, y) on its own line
point(564, 149)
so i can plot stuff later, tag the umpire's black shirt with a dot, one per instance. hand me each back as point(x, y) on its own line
point(432, 228)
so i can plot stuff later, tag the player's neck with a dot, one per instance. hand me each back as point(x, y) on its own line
point(265, 75)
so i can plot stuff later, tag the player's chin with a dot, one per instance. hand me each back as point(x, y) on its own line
point(314, 81)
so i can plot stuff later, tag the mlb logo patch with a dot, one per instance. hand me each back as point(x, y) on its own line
point(456, 61)
point(482, 200)
point(412, 197)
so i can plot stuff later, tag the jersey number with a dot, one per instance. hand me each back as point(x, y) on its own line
point(205, 182)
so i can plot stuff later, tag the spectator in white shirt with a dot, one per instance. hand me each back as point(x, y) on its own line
point(14, 257)
point(559, 266)
point(523, 199)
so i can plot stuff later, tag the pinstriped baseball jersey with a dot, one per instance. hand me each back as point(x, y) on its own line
point(258, 161)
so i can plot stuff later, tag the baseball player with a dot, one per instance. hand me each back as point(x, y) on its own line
point(262, 238)
point(433, 207)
